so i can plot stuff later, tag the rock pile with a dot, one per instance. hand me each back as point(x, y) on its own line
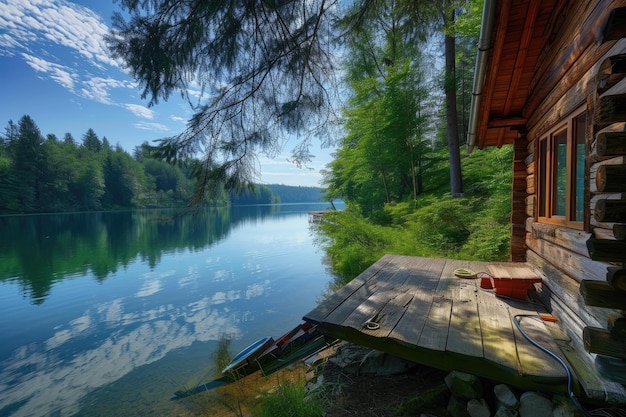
point(467, 399)
point(467, 395)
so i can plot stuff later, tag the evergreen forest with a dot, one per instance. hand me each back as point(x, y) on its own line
point(46, 174)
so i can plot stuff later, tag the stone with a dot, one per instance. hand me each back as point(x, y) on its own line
point(314, 384)
point(464, 386)
point(506, 412)
point(534, 404)
point(478, 408)
point(359, 360)
point(505, 397)
point(457, 407)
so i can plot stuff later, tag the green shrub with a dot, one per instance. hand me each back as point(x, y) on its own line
point(473, 227)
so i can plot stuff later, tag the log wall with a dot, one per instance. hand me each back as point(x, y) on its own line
point(592, 260)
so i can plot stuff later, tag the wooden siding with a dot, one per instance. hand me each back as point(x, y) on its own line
point(549, 60)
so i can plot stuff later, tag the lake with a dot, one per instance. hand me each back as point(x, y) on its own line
point(109, 313)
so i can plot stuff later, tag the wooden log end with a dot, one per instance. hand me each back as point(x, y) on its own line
point(602, 294)
point(606, 250)
point(616, 277)
point(611, 71)
point(617, 327)
point(619, 231)
point(605, 210)
point(611, 109)
point(615, 27)
point(598, 340)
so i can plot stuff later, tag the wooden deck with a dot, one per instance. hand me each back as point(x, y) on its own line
point(427, 315)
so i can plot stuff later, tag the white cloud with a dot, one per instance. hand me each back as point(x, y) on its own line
point(43, 383)
point(64, 42)
point(98, 88)
point(58, 22)
point(140, 111)
point(59, 73)
point(151, 126)
point(178, 119)
point(149, 288)
point(256, 290)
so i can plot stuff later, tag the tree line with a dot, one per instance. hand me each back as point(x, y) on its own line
point(42, 174)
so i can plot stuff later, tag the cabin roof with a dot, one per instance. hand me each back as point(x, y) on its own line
point(515, 45)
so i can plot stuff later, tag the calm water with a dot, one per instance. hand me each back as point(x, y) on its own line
point(107, 314)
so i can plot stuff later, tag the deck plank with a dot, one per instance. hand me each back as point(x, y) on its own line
point(358, 299)
point(336, 299)
point(497, 331)
point(372, 308)
point(419, 296)
point(532, 360)
point(464, 333)
point(435, 333)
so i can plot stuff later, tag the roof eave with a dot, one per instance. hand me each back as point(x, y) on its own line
point(484, 45)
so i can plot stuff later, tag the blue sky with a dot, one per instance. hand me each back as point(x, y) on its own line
point(54, 67)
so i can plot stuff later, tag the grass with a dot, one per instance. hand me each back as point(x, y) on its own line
point(282, 394)
point(289, 400)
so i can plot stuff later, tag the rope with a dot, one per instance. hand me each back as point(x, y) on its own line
point(372, 325)
point(464, 273)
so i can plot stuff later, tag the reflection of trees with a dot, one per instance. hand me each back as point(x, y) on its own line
point(40, 250)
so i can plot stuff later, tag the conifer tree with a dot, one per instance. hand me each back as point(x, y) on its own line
point(264, 69)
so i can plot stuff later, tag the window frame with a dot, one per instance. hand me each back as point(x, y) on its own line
point(545, 175)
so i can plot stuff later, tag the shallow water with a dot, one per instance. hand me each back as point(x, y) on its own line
point(106, 314)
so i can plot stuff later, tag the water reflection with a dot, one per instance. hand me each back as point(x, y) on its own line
point(39, 250)
point(52, 376)
point(162, 293)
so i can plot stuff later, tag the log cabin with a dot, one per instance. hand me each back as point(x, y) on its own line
point(551, 80)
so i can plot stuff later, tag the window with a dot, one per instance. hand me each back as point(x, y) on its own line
point(561, 174)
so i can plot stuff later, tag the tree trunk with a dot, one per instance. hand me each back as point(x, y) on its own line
point(420, 178)
point(456, 178)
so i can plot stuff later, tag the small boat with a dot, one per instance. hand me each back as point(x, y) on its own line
point(249, 354)
point(266, 355)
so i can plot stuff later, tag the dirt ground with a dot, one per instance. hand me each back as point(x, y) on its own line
point(381, 396)
point(344, 394)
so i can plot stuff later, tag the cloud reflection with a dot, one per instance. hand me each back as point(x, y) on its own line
point(53, 376)
point(149, 288)
point(154, 283)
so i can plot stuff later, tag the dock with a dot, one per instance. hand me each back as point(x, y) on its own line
point(417, 309)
